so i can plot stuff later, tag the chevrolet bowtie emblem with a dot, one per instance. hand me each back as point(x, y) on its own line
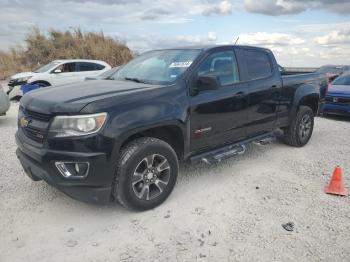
point(23, 122)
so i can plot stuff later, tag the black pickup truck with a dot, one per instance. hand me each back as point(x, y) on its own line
point(122, 138)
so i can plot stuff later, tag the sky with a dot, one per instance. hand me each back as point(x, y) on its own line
point(299, 32)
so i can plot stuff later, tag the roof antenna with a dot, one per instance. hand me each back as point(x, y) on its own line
point(236, 40)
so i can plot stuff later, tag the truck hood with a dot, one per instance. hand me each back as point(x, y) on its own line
point(339, 89)
point(21, 75)
point(73, 98)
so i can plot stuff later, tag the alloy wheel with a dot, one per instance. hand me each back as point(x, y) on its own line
point(151, 177)
point(305, 127)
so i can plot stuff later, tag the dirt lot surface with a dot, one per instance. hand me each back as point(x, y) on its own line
point(232, 211)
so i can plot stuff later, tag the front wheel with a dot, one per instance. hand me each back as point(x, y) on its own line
point(146, 173)
point(301, 128)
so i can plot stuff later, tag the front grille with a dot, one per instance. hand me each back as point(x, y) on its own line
point(37, 126)
point(35, 115)
point(338, 100)
point(35, 134)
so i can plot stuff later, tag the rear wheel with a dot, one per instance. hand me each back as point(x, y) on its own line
point(300, 131)
point(146, 173)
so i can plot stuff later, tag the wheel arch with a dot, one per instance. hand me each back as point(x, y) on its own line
point(306, 95)
point(312, 101)
point(171, 133)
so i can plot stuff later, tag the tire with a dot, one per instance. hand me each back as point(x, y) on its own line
point(139, 160)
point(300, 131)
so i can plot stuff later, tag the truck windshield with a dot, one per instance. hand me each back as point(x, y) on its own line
point(157, 67)
point(342, 80)
point(46, 67)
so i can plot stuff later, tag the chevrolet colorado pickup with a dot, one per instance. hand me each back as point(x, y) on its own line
point(122, 138)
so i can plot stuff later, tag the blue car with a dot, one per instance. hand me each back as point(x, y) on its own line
point(338, 97)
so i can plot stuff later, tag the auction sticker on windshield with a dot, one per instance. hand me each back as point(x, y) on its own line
point(180, 64)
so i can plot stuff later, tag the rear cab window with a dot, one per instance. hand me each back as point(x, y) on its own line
point(259, 65)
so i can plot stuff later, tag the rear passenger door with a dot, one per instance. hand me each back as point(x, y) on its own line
point(264, 88)
point(86, 69)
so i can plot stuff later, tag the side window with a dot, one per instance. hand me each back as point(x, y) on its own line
point(223, 65)
point(86, 66)
point(258, 63)
point(68, 67)
point(99, 67)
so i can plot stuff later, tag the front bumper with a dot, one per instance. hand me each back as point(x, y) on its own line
point(336, 109)
point(39, 164)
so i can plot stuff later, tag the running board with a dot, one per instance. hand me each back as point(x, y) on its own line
point(220, 154)
point(265, 141)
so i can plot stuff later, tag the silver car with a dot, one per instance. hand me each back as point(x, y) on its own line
point(4, 102)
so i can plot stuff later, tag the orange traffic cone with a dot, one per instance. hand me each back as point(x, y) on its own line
point(336, 185)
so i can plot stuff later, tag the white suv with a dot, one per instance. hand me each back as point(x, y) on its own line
point(55, 73)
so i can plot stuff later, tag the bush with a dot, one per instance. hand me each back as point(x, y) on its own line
point(41, 48)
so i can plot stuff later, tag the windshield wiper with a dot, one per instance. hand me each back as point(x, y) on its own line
point(137, 80)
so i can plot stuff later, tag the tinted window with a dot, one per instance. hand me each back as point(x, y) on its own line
point(68, 67)
point(342, 80)
point(223, 65)
point(99, 67)
point(258, 63)
point(86, 66)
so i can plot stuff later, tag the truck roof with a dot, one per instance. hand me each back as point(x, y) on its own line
point(79, 60)
point(208, 47)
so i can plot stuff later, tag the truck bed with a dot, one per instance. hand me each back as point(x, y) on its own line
point(304, 79)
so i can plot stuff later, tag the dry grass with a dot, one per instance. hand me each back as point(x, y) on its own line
point(42, 48)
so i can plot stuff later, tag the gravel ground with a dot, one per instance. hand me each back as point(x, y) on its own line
point(232, 211)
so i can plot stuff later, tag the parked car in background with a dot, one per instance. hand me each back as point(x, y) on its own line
point(4, 102)
point(57, 72)
point(338, 97)
point(333, 71)
point(104, 75)
point(123, 137)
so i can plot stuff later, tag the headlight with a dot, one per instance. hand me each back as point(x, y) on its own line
point(65, 126)
point(23, 79)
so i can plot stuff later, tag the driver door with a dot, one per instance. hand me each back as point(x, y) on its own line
point(66, 75)
point(218, 117)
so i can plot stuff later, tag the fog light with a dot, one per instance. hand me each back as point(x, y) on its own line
point(73, 169)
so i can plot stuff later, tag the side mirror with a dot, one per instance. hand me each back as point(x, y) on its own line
point(208, 82)
point(57, 71)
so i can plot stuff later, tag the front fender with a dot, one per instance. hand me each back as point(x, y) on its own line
point(144, 117)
